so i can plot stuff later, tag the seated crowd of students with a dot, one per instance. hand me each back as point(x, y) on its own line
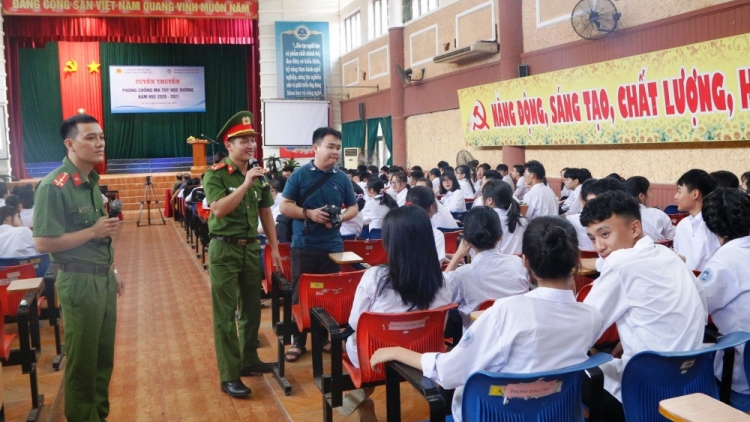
point(526, 264)
point(16, 221)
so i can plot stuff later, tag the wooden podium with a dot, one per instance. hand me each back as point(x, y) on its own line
point(199, 155)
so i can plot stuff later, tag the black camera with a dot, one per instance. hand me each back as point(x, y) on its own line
point(148, 180)
point(334, 215)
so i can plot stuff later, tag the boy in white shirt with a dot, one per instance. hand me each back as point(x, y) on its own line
point(487, 176)
point(726, 277)
point(590, 189)
point(573, 179)
point(15, 239)
point(541, 198)
point(656, 224)
point(643, 287)
point(692, 239)
point(503, 170)
point(519, 182)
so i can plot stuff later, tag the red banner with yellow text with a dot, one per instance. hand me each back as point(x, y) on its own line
point(696, 93)
point(235, 9)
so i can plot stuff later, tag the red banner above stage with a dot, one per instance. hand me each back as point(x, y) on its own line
point(235, 9)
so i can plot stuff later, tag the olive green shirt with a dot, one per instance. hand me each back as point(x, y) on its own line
point(221, 180)
point(67, 202)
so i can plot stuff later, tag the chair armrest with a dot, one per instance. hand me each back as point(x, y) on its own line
point(281, 281)
point(395, 372)
point(727, 371)
point(333, 383)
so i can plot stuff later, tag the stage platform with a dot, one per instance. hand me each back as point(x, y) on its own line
point(129, 166)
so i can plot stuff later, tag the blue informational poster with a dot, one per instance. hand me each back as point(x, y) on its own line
point(302, 60)
point(157, 89)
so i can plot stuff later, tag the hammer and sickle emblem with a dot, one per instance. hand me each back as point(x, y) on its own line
point(71, 66)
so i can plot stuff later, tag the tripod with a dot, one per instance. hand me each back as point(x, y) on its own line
point(148, 196)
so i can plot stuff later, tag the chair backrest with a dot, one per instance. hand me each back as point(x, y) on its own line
point(650, 377)
point(332, 292)
point(609, 336)
point(671, 209)
point(10, 301)
point(584, 254)
point(677, 217)
point(487, 304)
point(469, 203)
point(540, 397)
point(203, 213)
point(365, 233)
point(372, 252)
point(459, 216)
point(420, 331)
point(667, 243)
point(285, 250)
point(40, 263)
point(375, 234)
point(451, 241)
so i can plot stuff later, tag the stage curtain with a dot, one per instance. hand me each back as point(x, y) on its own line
point(159, 135)
point(40, 84)
point(372, 133)
point(386, 126)
point(353, 134)
point(81, 89)
point(44, 29)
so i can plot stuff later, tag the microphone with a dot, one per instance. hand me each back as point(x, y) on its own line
point(254, 163)
point(115, 208)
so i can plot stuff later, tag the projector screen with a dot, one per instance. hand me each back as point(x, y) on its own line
point(291, 123)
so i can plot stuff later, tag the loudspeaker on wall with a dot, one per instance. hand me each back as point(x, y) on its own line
point(523, 71)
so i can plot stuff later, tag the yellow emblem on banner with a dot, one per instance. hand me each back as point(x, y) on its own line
point(497, 390)
point(316, 285)
point(71, 66)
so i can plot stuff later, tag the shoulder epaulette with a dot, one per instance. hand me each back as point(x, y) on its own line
point(218, 166)
point(61, 179)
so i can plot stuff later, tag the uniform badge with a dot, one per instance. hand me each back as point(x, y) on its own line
point(467, 339)
point(61, 179)
point(84, 209)
point(230, 168)
point(232, 189)
point(77, 179)
point(218, 166)
point(246, 120)
point(706, 275)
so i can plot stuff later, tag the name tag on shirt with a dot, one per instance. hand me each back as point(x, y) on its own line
point(84, 209)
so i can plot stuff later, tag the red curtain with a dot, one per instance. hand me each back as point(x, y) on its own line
point(32, 31)
point(82, 88)
point(253, 93)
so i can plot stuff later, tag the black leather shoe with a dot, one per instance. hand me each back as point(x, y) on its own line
point(257, 368)
point(235, 388)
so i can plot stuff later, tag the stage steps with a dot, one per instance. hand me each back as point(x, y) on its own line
point(125, 166)
point(131, 190)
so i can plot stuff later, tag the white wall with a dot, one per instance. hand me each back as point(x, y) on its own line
point(270, 11)
point(4, 144)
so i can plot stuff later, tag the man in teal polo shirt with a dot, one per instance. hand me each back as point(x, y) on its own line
point(237, 198)
point(71, 224)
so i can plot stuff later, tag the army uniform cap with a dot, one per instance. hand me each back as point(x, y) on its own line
point(240, 124)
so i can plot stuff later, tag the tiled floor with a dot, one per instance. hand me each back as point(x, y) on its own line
point(165, 365)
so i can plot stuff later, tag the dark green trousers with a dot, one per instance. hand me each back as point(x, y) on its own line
point(89, 314)
point(235, 286)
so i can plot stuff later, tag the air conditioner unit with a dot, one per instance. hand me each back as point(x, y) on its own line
point(475, 51)
point(351, 157)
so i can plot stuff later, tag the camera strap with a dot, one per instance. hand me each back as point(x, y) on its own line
point(313, 189)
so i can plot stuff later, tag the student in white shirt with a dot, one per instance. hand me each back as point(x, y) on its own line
point(584, 243)
point(379, 204)
point(644, 288)
point(364, 177)
point(506, 177)
point(519, 180)
point(523, 333)
point(26, 196)
point(434, 176)
point(540, 198)
point(484, 167)
point(491, 275)
point(441, 217)
point(15, 239)
point(656, 224)
point(408, 282)
point(3, 193)
point(453, 198)
point(726, 277)
point(275, 186)
point(463, 174)
point(499, 196)
point(399, 188)
point(573, 180)
point(424, 198)
point(692, 239)
point(745, 181)
point(564, 191)
point(488, 175)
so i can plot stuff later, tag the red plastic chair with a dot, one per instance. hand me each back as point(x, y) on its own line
point(7, 339)
point(584, 254)
point(285, 250)
point(676, 218)
point(486, 305)
point(420, 331)
point(332, 292)
point(11, 301)
point(372, 252)
point(451, 241)
point(667, 243)
point(609, 336)
point(203, 213)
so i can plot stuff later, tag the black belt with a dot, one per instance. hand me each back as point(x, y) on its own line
point(239, 241)
point(87, 268)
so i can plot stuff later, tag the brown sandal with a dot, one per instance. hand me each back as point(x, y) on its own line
point(293, 354)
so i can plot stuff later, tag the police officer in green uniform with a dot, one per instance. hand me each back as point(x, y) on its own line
point(237, 198)
point(71, 224)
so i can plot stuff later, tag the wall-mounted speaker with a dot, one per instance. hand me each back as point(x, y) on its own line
point(361, 111)
point(523, 71)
